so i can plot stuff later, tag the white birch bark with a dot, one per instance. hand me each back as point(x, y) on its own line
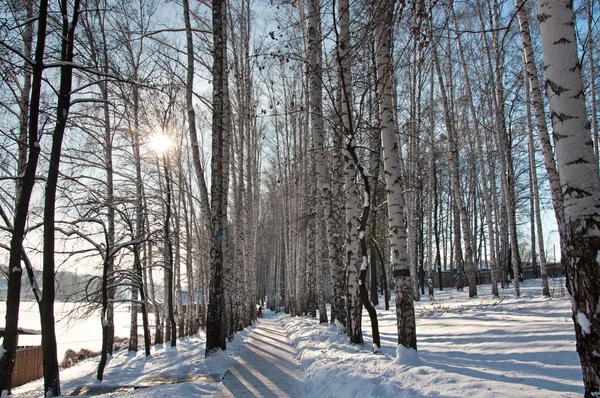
point(396, 209)
point(578, 177)
point(592, 68)
point(535, 195)
point(540, 115)
point(350, 177)
point(318, 136)
point(337, 218)
point(505, 150)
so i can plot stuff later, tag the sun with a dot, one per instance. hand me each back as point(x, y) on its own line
point(160, 143)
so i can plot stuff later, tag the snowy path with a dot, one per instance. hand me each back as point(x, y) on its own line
point(266, 366)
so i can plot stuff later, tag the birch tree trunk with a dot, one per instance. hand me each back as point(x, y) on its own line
point(540, 117)
point(350, 176)
point(453, 159)
point(480, 163)
point(535, 195)
point(215, 338)
point(592, 66)
point(315, 73)
point(405, 314)
point(505, 149)
point(189, 94)
point(322, 268)
point(578, 178)
point(339, 310)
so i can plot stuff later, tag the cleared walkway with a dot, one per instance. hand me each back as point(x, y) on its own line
point(266, 366)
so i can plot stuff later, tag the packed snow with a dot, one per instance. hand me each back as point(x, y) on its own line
point(482, 347)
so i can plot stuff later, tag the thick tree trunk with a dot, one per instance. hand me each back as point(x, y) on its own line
point(540, 118)
point(13, 298)
point(318, 142)
point(578, 177)
point(350, 175)
point(50, 360)
point(405, 313)
point(215, 339)
point(592, 69)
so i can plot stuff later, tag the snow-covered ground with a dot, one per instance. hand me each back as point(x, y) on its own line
point(184, 363)
point(480, 347)
point(75, 329)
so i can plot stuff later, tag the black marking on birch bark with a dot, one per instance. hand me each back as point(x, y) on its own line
point(563, 40)
point(580, 94)
point(543, 17)
point(576, 67)
point(557, 137)
point(589, 143)
point(561, 117)
point(401, 272)
point(555, 87)
point(577, 161)
point(578, 192)
point(570, 5)
point(570, 23)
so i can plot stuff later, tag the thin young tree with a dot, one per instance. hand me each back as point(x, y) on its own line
point(537, 213)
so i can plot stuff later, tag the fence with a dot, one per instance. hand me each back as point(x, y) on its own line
point(555, 270)
point(28, 365)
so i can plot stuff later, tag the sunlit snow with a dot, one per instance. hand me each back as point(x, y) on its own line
point(484, 347)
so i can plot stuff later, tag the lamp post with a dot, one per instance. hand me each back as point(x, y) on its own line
point(161, 144)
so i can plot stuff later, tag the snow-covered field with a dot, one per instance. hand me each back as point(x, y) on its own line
point(480, 347)
point(74, 329)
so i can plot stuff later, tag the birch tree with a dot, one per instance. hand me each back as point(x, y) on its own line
point(453, 158)
point(315, 69)
point(215, 338)
point(405, 315)
point(578, 177)
point(536, 196)
point(480, 161)
point(540, 117)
